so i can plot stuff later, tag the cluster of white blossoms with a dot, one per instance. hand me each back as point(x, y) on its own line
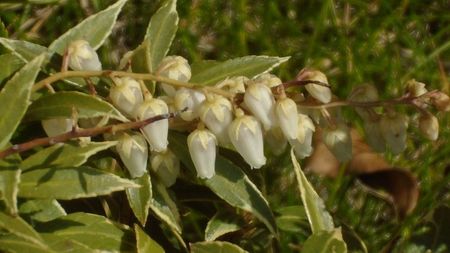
point(257, 111)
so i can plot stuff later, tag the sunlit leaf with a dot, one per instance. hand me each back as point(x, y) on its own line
point(94, 231)
point(140, 198)
point(42, 210)
point(14, 99)
point(94, 29)
point(15, 244)
point(25, 50)
point(61, 104)
point(248, 66)
point(164, 207)
point(319, 218)
point(141, 62)
point(292, 219)
point(220, 224)
point(70, 183)
point(64, 155)
point(18, 227)
point(324, 242)
point(216, 246)
point(229, 183)
point(9, 182)
point(10, 64)
point(144, 243)
point(61, 244)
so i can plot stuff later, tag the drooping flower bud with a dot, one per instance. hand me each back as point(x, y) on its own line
point(155, 132)
point(216, 113)
point(234, 84)
point(317, 91)
point(276, 140)
point(246, 136)
point(393, 128)
point(364, 93)
point(133, 151)
point(441, 101)
point(303, 143)
point(174, 67)
point(415, 88)
point(429, 126)
point(268, 80)
point(287, 115)
point(83, 57)
point(57, 126)
point(126, 95)
point(259, 100)
point(166, 165)
point(339, 141)
point(202, 148)
point(190, 99)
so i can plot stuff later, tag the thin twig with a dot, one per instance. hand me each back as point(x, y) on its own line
point(76, 133)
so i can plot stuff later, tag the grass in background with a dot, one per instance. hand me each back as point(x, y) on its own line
point(382, 42)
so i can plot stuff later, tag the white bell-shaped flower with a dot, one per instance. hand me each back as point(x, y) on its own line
point(268, 80)
point(83, 57)
point(429, 126)
point(202, 148)
point(317, 91)
point(246, 136)
point(415, 88)
point(303, 143)
point(174, 67)
point(133, 152)
point(234, 84)
point(155, 132)
point(216, 113)
point(339, 141)
point(190, 99)
point(166, 165)
point(393, 128)
point(126, 95)
point(287, 115)
point(57, 126)
point(259, 100)
point(276, 140)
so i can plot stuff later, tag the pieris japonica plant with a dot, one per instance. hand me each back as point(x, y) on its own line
point(169, 143)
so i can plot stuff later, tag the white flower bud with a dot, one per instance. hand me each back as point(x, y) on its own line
point(174, 67)
point(246, 136)
point(317, 91)
point(287, 115)
point(57, 126)
point(83, 57)
point(303, 143)
point(216, 113)
point(166, 165)
point(190, 99)
point(268, 80)
point(339, 141)
point(393, 128)
point(429, 126)
point(415, 88)
point(276, 140)
point(233, 84)
point(133, 152)
point(202, 148)
point(374, 136)
point(258, 98)
point(155, 132)
point(126, 95)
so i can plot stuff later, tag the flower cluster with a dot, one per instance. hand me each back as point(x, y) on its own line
point(257, 111)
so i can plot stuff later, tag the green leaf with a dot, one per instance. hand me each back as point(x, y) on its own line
point(94, 29)
point(25, 50)
point(60, 104)
point(229, 183)
point(18, 227)
point(221, 223)
point(61, 245)
point(141, 62)
point(248, 66)
point(42, 210)
point(216, 246)
point(10, 64)
point(93, 231)
point(14, 99)
point(144, 243)
point(318, 217)
point(324, 242)
point(160, 33)
point(70, 183)
point(15, 244)
point(164, 207)
point(9, 182)
point(64, 155)
point(3, 30)
point(140, 198)
point(293, 219)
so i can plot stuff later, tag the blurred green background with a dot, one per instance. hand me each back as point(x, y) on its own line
point(380, 42)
